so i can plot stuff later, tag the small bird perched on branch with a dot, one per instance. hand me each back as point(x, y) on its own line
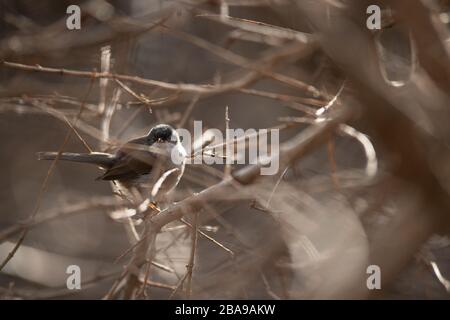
point(153, 162)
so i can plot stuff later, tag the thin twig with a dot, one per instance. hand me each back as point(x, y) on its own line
point(192, 88)
point(190, 265)
point(227, 167)
point(85, 144)
point(188, 111)
point(217, 243)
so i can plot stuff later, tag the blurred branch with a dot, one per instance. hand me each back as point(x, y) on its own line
point(54, 37)
point(403, 113)
point(260, 28)
point(68, 211)
point(425, 26)
point(53, 293)
point(44, 184)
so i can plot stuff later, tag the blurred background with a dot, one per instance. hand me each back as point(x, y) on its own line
point(374, 190)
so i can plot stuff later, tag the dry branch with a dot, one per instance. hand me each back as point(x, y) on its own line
point(289, 152)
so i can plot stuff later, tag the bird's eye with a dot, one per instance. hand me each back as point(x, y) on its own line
point(181, 138)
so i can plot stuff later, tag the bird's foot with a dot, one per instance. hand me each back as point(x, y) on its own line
point(154, 207)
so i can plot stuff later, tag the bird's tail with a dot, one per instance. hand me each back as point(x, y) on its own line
point(101, 159)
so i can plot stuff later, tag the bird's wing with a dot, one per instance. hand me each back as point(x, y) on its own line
point(131, 162)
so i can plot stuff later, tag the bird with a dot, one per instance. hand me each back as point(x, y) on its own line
point(154, 162)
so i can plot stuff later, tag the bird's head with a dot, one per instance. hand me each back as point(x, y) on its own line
point(162, 133)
